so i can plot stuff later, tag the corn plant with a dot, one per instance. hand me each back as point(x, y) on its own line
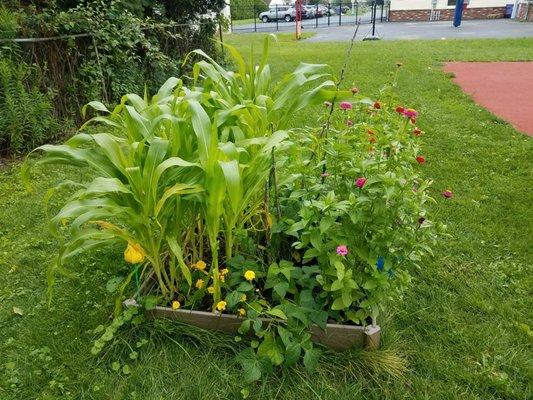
point(177, 174)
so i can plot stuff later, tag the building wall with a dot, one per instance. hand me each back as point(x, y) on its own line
point(421, 10)
point(443, 4)
point(525, 11)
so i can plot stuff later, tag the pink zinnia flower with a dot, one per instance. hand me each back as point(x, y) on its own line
point(420, 159)
point(344, 105)
point(447, 194)
point(324, 174)
point(360, 182)
point(327, 104)
point(410, 113)
point(342, 250)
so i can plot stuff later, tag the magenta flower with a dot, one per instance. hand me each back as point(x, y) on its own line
point(344, 105)
point(360, 182)
point(410, 113)
point(448, 194)
point(349, 122)
point(342, 250)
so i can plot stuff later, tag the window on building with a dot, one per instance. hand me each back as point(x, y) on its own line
point(451, 2)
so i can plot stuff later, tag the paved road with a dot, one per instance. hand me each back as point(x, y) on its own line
point(477, 29)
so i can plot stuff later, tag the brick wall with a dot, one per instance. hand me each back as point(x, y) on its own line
point(525, 12)
point(447, 14)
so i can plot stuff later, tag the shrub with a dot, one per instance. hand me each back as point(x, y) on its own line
point(243, 9)
point(26, 114)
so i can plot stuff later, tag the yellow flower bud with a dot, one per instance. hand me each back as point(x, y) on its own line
point(175, 305)
point(199, 283)
point(211, 289)
point(224, 271)
point(200, 265)
point(221, 305)
point(243, 297)
point(134, 253)
point(242, 312)
point(249, 275)
point(222, 278)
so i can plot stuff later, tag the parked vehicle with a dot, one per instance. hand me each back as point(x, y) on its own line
point(311, 11)
point(326, 10)
point(286, 13)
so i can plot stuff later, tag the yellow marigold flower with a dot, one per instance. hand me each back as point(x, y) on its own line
point(224, 271)
point(176, 304)
point(249, 275)
point(242, 312)
point(211, 289)
point(199, 283)
point(134, 253)
point(221, 305)
point(243, 297)
point(200, 265)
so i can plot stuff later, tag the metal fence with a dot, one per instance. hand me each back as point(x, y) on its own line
point(280, 18)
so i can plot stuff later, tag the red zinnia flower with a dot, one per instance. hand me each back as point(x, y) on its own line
point(372, 140)
point(344, 105)
point(400, 110)
point(417, 131)
point(413, 120)
point(360, 182)
point(370, 131)
point(377, 104)
point(349, 123)
point(420, 159)
point(448, 194)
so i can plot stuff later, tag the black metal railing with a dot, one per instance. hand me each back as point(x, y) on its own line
point(279, 18)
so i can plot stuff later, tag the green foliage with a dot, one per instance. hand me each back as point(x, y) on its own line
point(26, 114)
point(243, 9)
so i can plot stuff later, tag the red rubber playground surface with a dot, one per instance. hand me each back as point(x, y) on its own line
point(503, 88)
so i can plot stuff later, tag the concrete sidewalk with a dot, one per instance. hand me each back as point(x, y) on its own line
point(471, 29)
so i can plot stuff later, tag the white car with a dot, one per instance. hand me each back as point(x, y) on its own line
point(287, 13)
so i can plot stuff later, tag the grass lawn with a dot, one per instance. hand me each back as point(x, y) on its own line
point(464, 330)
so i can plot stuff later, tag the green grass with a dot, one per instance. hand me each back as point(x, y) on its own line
point(463, 331)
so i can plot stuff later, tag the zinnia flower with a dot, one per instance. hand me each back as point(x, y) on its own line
point(354, 90)
point(377, 105)
point(249, 275)
point(447, 194)
point(417, 131)
point(176, 304)
point(344, 105)
point(199, 283)
point(242, 312)
point(134, 253)
point(372, 140)
point(360, 182)
point(200, 265)
point(370, 131)
point(410, 113)
point(400, 110)
point(327, 103)
point(221, 305)
point(349, 122)
point(420, 159)
point(342, 250)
